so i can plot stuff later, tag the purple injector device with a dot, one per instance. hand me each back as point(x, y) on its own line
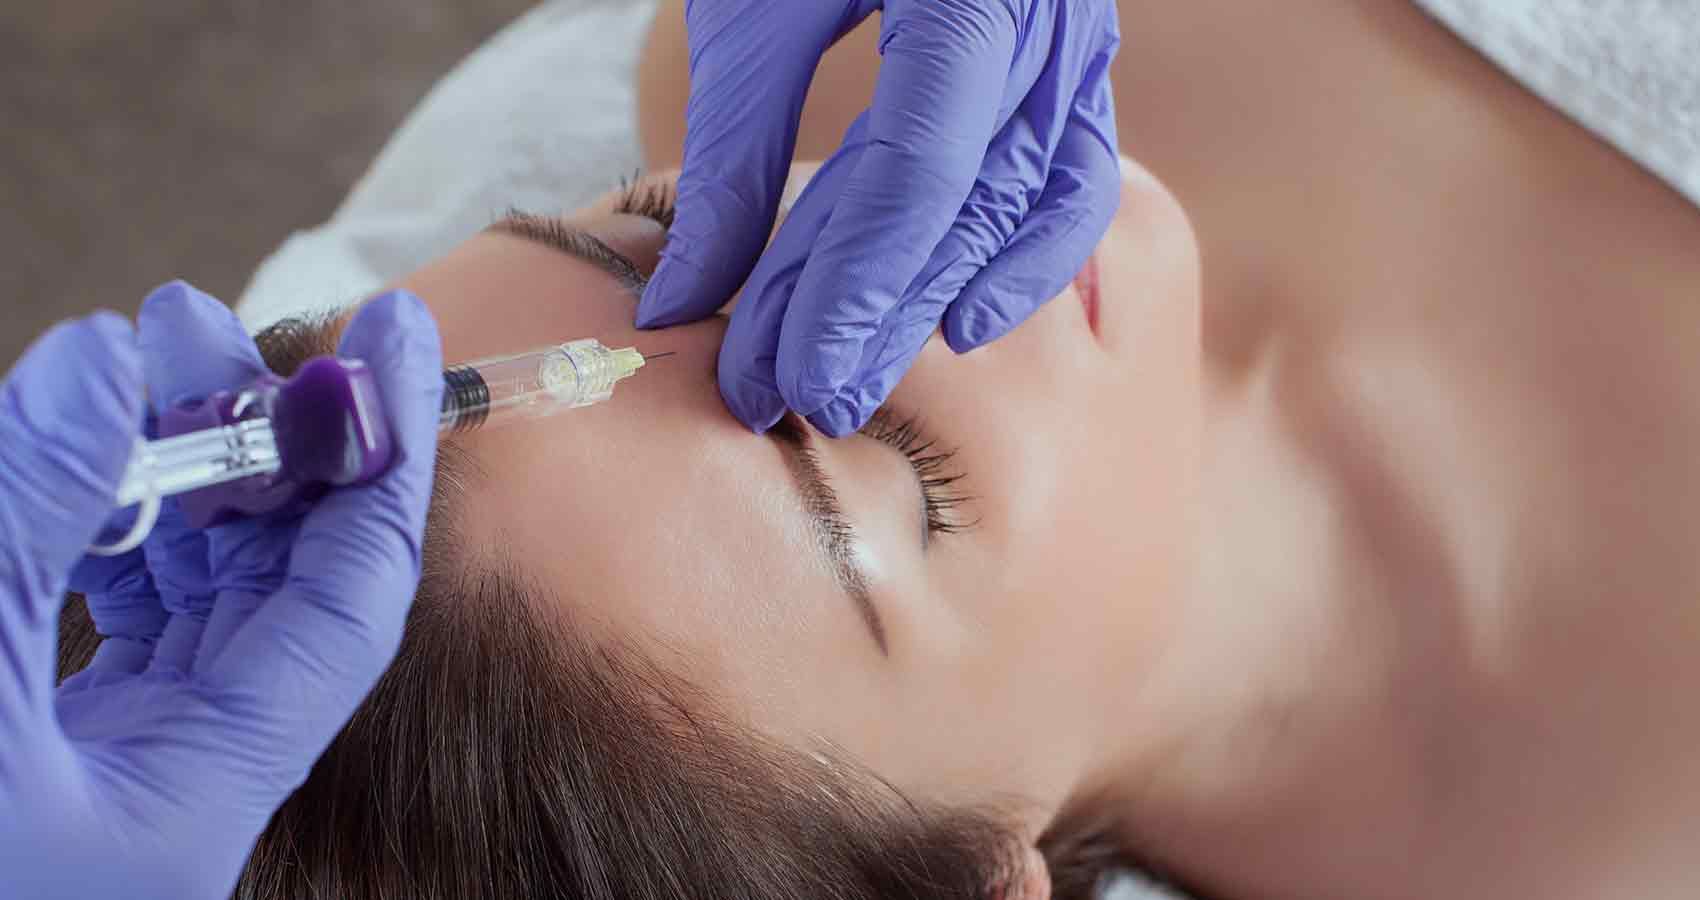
point(278, 444)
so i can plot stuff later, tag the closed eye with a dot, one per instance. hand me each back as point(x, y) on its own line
point(941, 495)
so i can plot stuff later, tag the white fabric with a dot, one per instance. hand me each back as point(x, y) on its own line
point(1628, 70)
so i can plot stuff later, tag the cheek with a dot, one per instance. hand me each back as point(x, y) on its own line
point(1123, 429)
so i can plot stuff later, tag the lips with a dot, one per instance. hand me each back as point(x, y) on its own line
point(1086, 284)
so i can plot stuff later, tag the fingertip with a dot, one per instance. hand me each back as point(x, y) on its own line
point(192, 345)
point(391, 312)
point(115, 332)
point(177, 310)
point(975, 322)
point(810, 377)
point(179, 294)
point(840, 418)
point(166, 293)
point(758, 409)
point(414, 319)
point(666, 300)
point(106, 325)
point(395, 327)
point(755, 403)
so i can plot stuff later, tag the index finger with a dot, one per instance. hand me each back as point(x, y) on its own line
point(751, 68)
point(940, 98)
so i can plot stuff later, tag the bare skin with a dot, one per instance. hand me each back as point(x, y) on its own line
point(1452, 410)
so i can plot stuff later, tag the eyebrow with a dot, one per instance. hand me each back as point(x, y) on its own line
point(575, 242)
point(835, 538)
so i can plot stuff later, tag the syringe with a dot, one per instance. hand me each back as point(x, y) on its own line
point(535, 384)
point(277, 441)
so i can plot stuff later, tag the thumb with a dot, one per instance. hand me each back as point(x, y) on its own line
point(70, 412)
point(751, 65)
point(302, 663)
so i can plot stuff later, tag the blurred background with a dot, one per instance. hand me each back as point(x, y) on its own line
point(187, 138)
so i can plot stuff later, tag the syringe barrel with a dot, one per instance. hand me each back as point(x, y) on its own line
point(531, 385)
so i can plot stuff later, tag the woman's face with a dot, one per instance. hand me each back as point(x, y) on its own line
point(991, 660)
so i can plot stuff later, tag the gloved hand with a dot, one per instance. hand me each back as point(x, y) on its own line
point(232, 656)
point(973, 190)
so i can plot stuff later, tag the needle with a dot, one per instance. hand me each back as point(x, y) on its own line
point(660, 356)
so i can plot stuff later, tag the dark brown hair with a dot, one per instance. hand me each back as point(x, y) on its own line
point(506, 755)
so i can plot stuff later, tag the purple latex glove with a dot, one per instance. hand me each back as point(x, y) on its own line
point(972, 191)
point(231, 656)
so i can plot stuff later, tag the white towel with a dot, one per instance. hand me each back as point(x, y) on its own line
point(1628, 70)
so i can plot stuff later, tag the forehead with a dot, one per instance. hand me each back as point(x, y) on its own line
point(657, 519)
point(658, 536)
point(499, 294)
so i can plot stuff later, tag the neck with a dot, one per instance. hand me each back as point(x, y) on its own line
point(1290, 710)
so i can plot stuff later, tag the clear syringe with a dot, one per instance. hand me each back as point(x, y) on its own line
point(248, 451)
point(534, 384)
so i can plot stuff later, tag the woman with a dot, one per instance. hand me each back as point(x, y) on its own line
point(1356, 571)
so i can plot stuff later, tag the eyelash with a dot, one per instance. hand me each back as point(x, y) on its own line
point(655, 200)
point(939, 480)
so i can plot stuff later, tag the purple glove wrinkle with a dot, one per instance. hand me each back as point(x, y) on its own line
point(991, 132)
